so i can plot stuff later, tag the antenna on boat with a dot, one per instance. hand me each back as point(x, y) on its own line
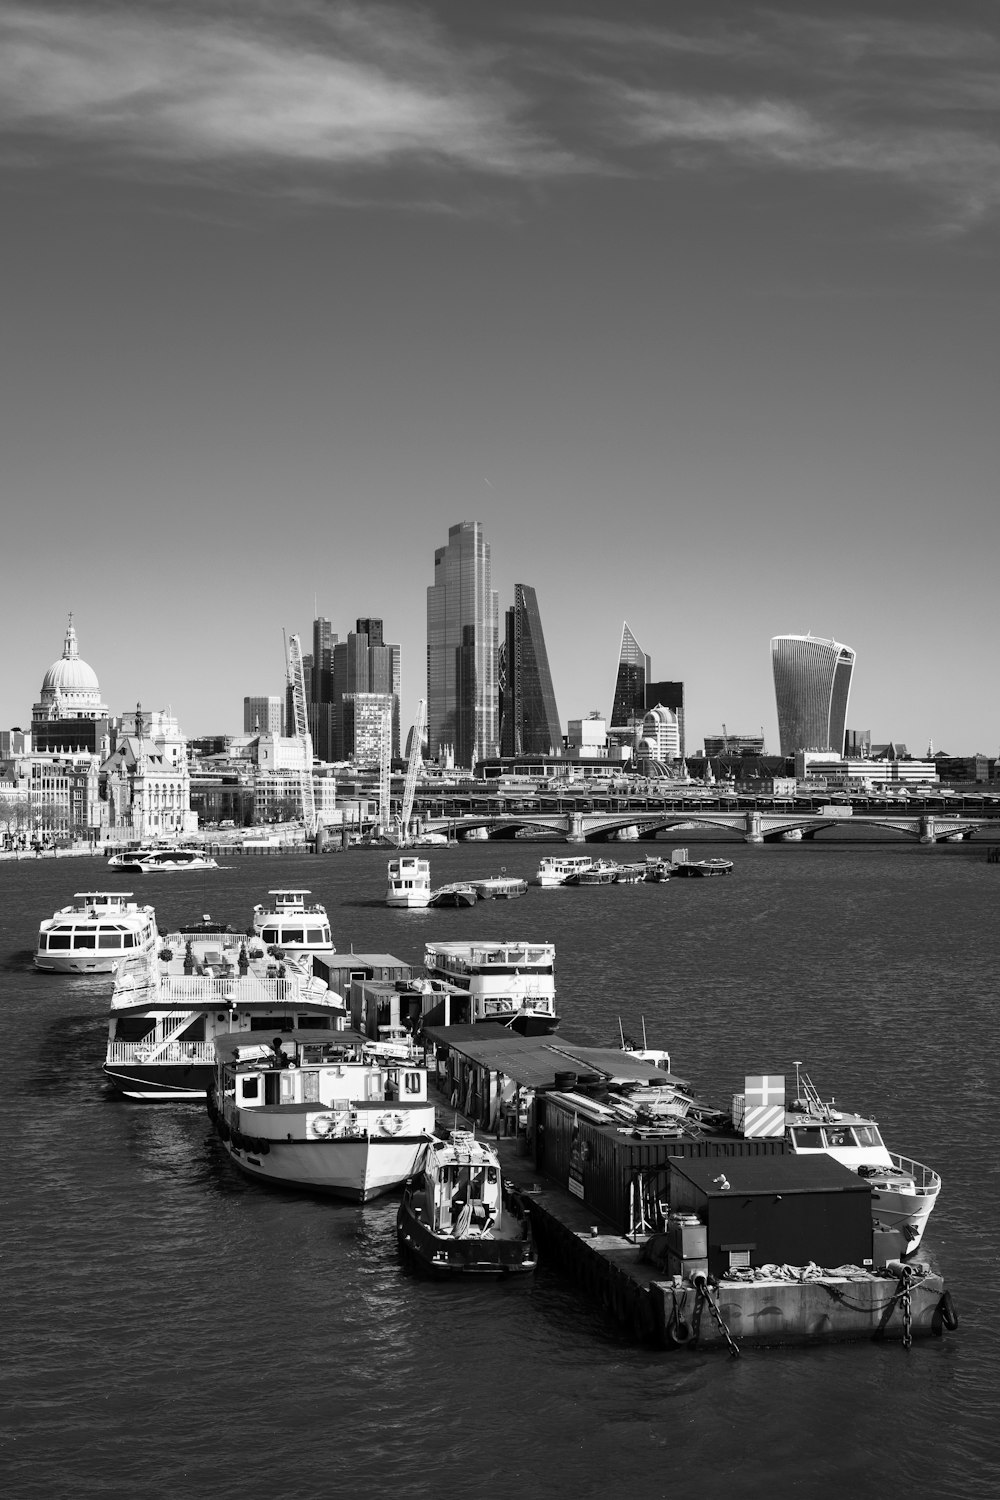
point(621, 1032)
point(798, 1092)
point(644, 1043)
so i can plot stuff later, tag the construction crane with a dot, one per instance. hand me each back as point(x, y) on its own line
point(412, 770)
point(297, 683)
point(385, 770)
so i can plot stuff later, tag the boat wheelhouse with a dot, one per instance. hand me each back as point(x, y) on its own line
point(96, 933)
point(150, 861)
point(904, 1191)
point(321, 1113)
point(558, 868)
point(512, 983)
point(292, 923)
point(459, 1218)
point(167, 1012)
point(409, 882)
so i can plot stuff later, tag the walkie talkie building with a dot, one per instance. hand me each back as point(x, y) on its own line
point(812, 684)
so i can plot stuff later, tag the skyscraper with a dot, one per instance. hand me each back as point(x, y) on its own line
point(529, 719)
point(812, 684)
point(462, 611)
point(634, 672)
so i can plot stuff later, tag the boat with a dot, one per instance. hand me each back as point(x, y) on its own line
point(149, 861)
point(657, 869)
point(167, 1011)
point(300, 1110)
point(904, 1191)
point(698, 868)
point(95, 933)
point(459, 1218)
point(598, 872)
point(291, 924)
point(556, 869)
point(512, 983)
point(500, 888)
point(461, 893)
point(409, 881)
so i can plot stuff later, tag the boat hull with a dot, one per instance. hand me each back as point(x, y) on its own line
point(410, 901)
point(511, 1254)
point(169, 1081)
point(356, 1170)
point(50, 963)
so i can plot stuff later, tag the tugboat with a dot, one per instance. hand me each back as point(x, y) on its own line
point(459, 1218)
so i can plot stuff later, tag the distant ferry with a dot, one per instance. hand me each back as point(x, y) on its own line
point(512, 983)
point(148, 861)
point(95, 934)
point(409, 881)
point(559, 869)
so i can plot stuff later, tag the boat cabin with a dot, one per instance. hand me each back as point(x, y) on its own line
point(292, 923)
point(462, 1185)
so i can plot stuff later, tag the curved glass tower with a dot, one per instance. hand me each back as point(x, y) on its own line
point(812, 683)
point(529, 719)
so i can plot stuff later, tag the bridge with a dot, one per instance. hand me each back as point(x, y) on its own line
point(756, 825)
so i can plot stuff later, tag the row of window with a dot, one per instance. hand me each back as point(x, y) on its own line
point(815, 1138)
point(88, 937)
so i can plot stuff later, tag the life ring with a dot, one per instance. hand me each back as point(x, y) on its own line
point(143, 1055)
point(323, 1126)
point(391, 1124)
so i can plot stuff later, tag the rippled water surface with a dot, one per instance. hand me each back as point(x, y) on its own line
point(174, 1330)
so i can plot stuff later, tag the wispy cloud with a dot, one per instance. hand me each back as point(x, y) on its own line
point(265, 84)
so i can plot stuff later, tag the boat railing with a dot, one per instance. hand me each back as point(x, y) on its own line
point(925, 1180)
point(195, 990)
point(148, 1051)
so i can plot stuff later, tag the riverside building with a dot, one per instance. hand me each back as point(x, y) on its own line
point(812, 685)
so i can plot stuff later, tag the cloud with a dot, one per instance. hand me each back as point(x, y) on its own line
point(281, 84)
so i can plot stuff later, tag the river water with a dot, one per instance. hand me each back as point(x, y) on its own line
point(174, 1330)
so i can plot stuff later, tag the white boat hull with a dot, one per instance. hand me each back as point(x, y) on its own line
point(50, 963)
point(358, 1169)
point(408, 900)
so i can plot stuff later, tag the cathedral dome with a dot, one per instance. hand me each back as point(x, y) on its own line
point(70, 687)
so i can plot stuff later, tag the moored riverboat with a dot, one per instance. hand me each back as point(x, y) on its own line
point(408, 882)
point(500, 888)
point(557, 869)
point(698, 869)
point(459, 1218)
point(95, 934)
point(167, 1011)
point(293, 924)
point(512, 983)
point(320, 1113)
point(166, 859)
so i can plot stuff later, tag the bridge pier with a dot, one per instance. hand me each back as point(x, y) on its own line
point(754, 832)
point(574, 829)
point(928, 833)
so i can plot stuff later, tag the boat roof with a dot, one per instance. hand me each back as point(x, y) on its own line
point(462, 1148)
point(534, 1061)
point(833, 1118)
point(290, 890)
point(112, 897)
point(472, 948)
point(768, 1174)
point(229, 1042)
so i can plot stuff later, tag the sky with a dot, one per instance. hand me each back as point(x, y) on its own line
point(693, 305)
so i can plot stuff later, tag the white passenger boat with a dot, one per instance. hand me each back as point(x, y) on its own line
point(557, 869)
point(409, 882)
point(96, 933)
point(459, 1218)
point(512, 983)
point(292, 923)
point(150, 861)
point(903, 1191)
point(167, 1012)
point(300, 1110)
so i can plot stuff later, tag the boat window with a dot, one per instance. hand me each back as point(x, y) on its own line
point(131, 940)
point(109, 940)
point(249, 1088)
point(810, 1137)
point(269, 935)
point(315, 935)
point(86, 939)
point(867, 1135)
point(57, 940)
point(293, 935)
point(838, 1138)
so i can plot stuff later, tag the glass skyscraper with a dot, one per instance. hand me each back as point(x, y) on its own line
point(812, 684)
point(462, 614)
point(529, 719)
point(630, 685)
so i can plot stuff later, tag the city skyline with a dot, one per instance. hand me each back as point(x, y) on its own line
point(694, 309)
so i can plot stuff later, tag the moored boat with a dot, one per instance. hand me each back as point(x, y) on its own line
point(95, 934)
point(512, 983)
point(461, 893)
point(292, 924)
point(409, 882)
point(459, 1218)
point(557, 869)
point(500, 888)
point(698, 868)
point(167, 1011)
point(904, 1191)
point(598, 872)
point(303, 1111)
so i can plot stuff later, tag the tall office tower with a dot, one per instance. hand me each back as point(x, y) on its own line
point(670, 695)
point(363, 664)
point(322, 655)
point(529, 719)
point(263, 715)
point(462, 707)
point(372, 629)
point(812, 683)
point(630, 686)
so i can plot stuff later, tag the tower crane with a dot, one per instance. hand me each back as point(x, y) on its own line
point(412, 770)
point(297, 683)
